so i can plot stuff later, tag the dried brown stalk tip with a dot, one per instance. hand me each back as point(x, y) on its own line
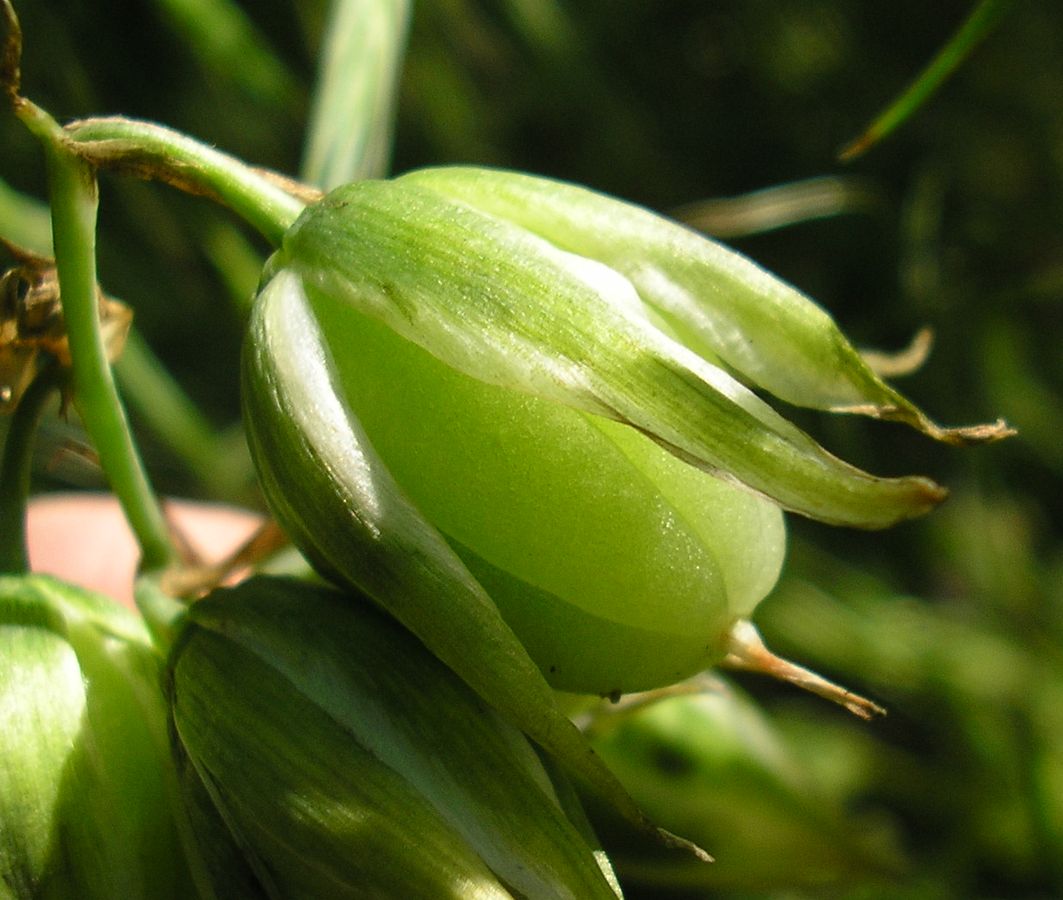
point(958, 436)
point(747, 652)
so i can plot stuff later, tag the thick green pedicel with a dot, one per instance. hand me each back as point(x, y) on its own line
point(84, 805)
point(349, 762)
point(619, 566)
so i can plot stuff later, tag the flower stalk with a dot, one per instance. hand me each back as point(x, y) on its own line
point(265, 200)
point(74, 201)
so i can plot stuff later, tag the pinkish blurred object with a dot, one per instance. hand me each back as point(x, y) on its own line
point(84, 538)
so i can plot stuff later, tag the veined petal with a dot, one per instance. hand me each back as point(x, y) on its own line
point(722, 302)
point(505, 306)
point(317, 814)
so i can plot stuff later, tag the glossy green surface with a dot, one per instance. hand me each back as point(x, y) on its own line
point(600, 525)
point(343, 508)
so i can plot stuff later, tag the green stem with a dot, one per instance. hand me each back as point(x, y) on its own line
point(269, 202)
point(15, 470)
point(72, 186)
point(978, 25)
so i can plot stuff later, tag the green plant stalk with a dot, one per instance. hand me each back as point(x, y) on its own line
point(148, 388)
point(15, 471)
point(978, 25)
point(163, 614)
point(74, 200)
point(268, 202)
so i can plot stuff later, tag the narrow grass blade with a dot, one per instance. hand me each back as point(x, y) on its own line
point(981, 22)
point(350, 130)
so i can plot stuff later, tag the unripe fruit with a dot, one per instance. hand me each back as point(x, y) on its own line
point(618, 566)
point(436, 364)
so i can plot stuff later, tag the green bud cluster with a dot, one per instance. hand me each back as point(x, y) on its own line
point(313, 749)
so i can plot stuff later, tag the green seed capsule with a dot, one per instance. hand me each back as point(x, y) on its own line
point(348, 762)
point(453, 410)
point(84, 805)
point(618, 566)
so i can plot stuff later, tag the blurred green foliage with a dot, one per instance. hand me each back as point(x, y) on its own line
point(954, 622)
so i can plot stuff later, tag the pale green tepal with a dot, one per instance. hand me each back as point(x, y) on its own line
point(86, 808)
point(470, 391)
point(347, 762)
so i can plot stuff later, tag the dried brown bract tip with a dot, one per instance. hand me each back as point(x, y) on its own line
point(31, 321)
point(747, 652)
